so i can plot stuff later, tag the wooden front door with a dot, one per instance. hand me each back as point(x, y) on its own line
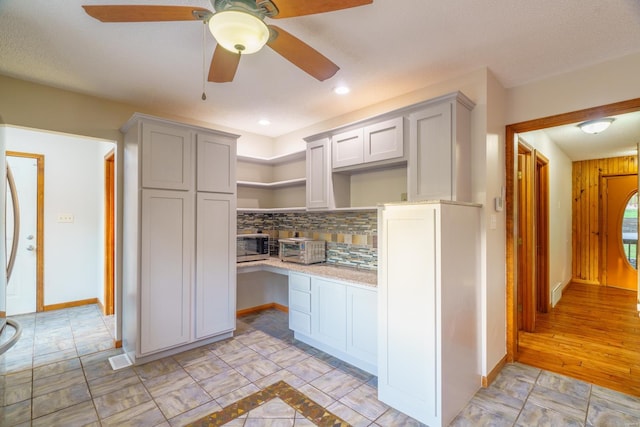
point(621, 231)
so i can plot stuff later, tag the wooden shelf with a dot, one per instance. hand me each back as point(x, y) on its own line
point(273, 185)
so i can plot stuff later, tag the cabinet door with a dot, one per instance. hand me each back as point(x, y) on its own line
point(408, 341)
point(384, 140)
point(347, 149)
point(167, 157)
point(318, 174)
point(216, 163)
point(430, 154)
point(166, 269)
point(362, 323)
point(329, 312)
point(215, 264)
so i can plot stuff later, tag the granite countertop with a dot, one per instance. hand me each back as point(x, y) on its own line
point(346, 274)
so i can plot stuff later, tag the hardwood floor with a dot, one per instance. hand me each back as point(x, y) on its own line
point(593, 334)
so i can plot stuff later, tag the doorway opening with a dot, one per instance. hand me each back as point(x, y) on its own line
point(512, 231)
point(26, 287)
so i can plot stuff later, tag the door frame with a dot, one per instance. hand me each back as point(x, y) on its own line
point(526, 300)
point(533, 235)
point(109, 232)
point(511, 146)
point(541, 191)
point(39, 223)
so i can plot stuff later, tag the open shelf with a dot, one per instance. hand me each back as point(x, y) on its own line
point(273, 185)
point(296, 155)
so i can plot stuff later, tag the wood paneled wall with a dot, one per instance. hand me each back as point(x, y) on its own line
point(586, 212)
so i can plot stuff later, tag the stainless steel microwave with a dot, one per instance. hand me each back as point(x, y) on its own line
point(252, 247)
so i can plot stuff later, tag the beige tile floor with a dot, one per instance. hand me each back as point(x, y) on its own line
point(59, 375)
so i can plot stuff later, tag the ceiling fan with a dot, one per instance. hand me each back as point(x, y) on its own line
point(239, 28)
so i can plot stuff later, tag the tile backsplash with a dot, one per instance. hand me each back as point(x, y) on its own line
point(351, 237)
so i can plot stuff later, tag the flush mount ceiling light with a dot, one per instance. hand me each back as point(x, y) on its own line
point(341, 90)
point(239, 32)
point(595, 126)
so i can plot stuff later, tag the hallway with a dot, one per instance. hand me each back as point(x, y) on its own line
point(591, 335)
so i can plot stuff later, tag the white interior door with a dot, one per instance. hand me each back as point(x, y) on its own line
point(21, 290)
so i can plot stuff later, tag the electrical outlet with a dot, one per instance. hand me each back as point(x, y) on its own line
point(68, 218)
point(403, 197)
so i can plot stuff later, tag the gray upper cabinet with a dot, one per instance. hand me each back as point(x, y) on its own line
point(347, 148)
point(373, 143)
point(418, 152)
point(167, 156)
point(384, 140)
point(216, 163)
point(440, 150)
point(318, 174)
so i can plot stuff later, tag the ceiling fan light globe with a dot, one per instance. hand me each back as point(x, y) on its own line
point(239, 31)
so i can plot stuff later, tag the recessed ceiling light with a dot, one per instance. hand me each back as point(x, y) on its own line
point(264, 122)
point(341, 90)
point(595, 126)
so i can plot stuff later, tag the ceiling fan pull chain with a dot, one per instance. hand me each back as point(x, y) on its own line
point(204, 78)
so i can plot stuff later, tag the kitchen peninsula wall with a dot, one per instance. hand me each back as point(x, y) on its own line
point(351, 236)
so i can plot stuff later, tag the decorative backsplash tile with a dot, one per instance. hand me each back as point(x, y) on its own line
point(351, 236)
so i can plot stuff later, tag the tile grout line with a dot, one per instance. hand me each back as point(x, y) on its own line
point(586, 414)
point(524, 403)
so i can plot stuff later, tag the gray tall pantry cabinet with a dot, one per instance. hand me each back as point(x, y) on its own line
point(179, 277)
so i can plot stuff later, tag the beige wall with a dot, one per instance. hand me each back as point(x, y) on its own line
point(600, 84)
point(471, 84)
point(492, 168)
point(43, 107)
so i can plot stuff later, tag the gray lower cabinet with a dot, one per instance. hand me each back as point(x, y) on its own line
point(362, 320)
point(165, 278)
point(329, 313)
point(300, 303)
point(336, 317)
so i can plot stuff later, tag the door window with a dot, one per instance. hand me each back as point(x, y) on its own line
point(630, 230)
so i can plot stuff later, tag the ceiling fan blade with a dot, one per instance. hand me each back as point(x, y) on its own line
point(140, 13)
point(301, 54)
point(223, 65)
point(291, 8)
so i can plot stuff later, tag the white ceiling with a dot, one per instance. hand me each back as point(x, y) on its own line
point(620, 139)
point(384, 50)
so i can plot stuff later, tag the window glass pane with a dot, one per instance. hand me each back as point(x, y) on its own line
point(630, 231)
